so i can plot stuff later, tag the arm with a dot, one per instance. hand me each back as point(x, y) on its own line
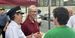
point(30, 36)
point(10, 33)
point(6, 26)
point(38, 35)
point(20, 33)
point(7, 23)
point(47, 35)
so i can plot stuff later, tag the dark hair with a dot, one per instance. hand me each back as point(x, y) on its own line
point(12, 17)
point(61, 14)
point(39, 11)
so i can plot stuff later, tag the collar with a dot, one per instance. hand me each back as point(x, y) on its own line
point(63, 26)
point(32, 21)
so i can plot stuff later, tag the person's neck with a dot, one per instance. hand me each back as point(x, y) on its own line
point(32, 19)
point(59, 25)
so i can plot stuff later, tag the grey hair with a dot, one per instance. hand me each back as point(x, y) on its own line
point(31, 7)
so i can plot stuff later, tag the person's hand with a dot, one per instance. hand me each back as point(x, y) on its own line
point(29, 36)
point(6, 26)
point(38, 35)
point(35, 35)
point(4, 29)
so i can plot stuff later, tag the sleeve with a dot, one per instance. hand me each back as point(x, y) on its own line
point(21, 34)
point(70, 22)
point(11, 33)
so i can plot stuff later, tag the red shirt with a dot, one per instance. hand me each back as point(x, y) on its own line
point(28, 27)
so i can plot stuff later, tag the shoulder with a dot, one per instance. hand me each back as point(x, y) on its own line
point(73, 17)
point(12, 25)
point(48, 34)
point(53, 32)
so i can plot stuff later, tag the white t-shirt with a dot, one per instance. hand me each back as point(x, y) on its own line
point(71, 22)
point(14, 31)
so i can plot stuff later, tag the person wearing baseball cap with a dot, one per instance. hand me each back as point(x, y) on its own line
point(14, 28)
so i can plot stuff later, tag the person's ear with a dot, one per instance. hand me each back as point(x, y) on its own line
point(55, 21)
point(16, 15)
